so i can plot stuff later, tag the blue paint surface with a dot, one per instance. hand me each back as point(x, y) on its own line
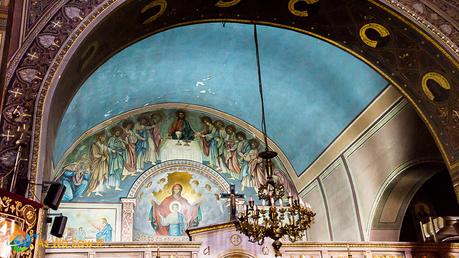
point(313, 90)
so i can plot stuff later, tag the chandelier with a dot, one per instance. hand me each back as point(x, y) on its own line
point(273, 218)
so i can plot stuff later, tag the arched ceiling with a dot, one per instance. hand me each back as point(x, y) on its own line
point(313, 89)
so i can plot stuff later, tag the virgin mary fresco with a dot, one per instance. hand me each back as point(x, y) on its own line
point(174, 214)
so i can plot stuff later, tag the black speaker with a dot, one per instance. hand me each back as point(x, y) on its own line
point(21, 186)
point(54, 195)
point(58, 227)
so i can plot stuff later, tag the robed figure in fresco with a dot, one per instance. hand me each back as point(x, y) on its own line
point(117, 158)
point(174, 214)
point(130, 140)
point(253, 174)
point(231, 158)
point(99, 165)
point(181, 128)
point(104, 231)
point(154, 139)
point(75, 177)
point(141, 146)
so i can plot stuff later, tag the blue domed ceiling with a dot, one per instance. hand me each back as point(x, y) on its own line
point(313, 90)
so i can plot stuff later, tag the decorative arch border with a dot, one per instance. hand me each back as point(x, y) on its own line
point(31, 77)
point(178, 166)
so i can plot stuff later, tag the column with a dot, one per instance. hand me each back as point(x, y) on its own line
point(128, 205)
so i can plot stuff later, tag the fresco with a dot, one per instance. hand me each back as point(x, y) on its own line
point(170, 203)
point(104, 164)
point(89, 221)
point(215, 66)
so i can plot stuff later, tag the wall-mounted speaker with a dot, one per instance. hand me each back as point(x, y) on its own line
point(58, 227)
point(54, 195)
point(21, 186)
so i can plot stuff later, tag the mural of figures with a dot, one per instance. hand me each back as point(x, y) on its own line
point(168, 204)
point(102, 166)
point(91, 221)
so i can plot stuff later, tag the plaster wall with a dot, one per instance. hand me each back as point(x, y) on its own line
point(314, 196)
point(350, 188)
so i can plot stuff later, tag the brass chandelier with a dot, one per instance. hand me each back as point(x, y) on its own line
point(277, 219)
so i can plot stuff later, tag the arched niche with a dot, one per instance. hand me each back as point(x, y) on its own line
point(396, 194)
point(200, 189)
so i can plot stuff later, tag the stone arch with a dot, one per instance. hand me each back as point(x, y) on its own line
point(395, 196)
point(37, 79)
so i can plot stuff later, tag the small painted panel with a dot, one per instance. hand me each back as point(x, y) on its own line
point(169, 203)
point(91, 222)
point(106, 161)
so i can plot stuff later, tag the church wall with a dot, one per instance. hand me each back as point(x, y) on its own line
point(393, 141)
point(313, 194)
point(340, 203)
point(350, 188)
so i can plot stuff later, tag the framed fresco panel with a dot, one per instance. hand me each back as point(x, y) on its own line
point(92, 221)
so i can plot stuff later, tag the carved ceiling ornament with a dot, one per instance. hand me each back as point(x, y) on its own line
point(439, 17)
point(39, 61)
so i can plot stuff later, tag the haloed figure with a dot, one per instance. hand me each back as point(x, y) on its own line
point(117, 159)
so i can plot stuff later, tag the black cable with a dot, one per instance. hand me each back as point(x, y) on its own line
point(260, 87)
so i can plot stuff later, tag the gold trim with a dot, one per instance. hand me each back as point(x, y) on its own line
point(438, 78)
point(225, 4)
point(162, 8)
point(130, 245)
point(210, 228)
point(77, 32)
point(369, 245)
point(291, 7)
point(382, 31)
point(89, 54)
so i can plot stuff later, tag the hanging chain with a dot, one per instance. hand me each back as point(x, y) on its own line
point(260, 87)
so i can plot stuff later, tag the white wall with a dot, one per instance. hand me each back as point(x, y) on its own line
point(347, 193)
